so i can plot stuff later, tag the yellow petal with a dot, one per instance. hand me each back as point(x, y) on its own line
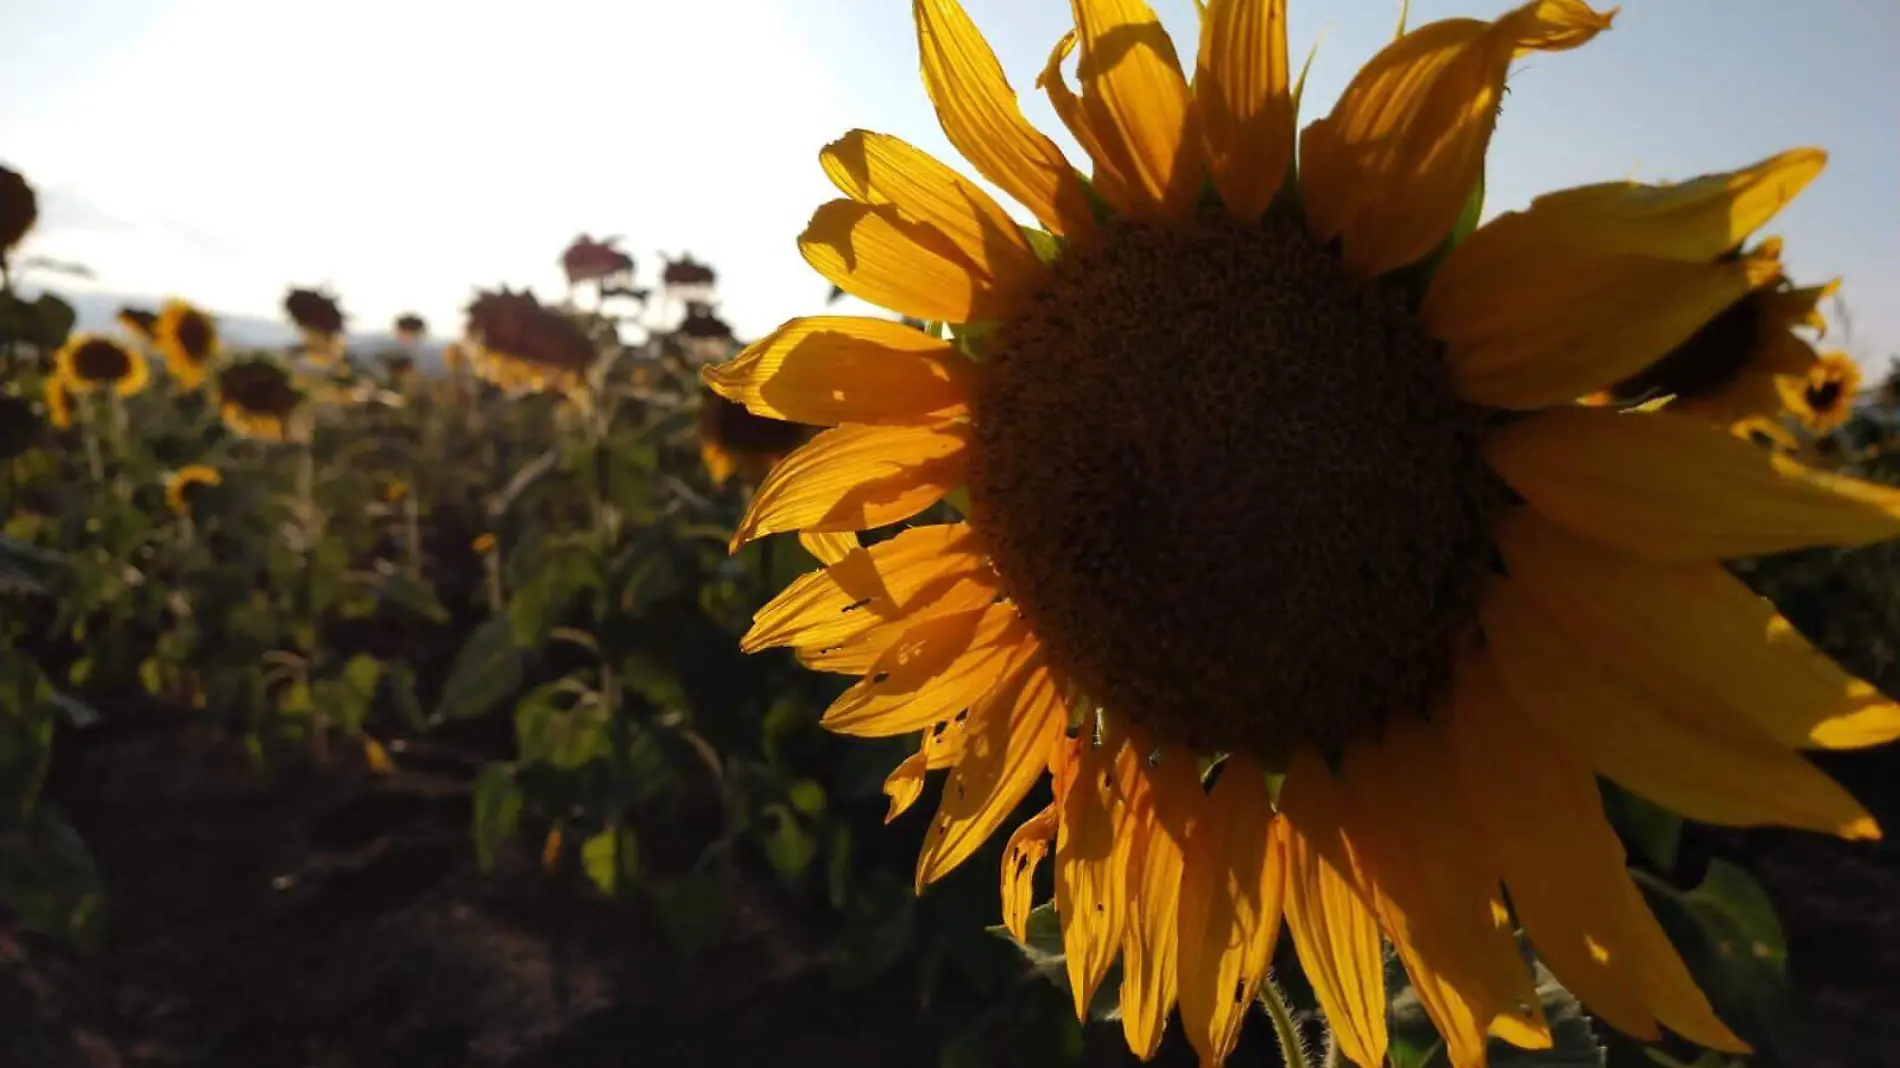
point(1671, 488)
point(1565, 322)
point(1138, 104)
point(889, 581)
point(1232, 890)
point(1436, 889)
point(859, 653)
point(981, 118)
point(904, 785)
point(1024, 852)
point(1620, 731)
point(1005, 750)
point(1327, 913)
point(856, 478)
point(832, 369)
point(875, 254)
point(829, 549)
point(1150, 945)
point(879, 169)
point(1540, 812)
point(940, 667)
point(1110, 184)
point(1390, 169)
point(943, 742)
point(1245, 102)
point(1697, 641)
point(1091, 873)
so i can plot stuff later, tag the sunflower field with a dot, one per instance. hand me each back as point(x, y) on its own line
point(1018, 675)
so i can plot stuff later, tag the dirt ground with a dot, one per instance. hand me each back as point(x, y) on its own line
point(335, 919)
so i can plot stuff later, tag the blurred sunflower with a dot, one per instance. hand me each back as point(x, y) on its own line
point(182, 484)
point(1751, 358)
point(19, 209)
point(483, 544)
point(521, 345)
point(59, 403)
point(141, 323)
point(1234, 494)
point(189, 339)
point(588, 260)
point(256, 397)
point(734, 441)
point(688, 278)
point(91, 362)
point(410, 328)
point(320, 319)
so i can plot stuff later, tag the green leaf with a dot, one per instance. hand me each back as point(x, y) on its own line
point(550, 730)
point(1415, 1043)
point(497, 807)
point(50, 882)
point(1044, 953)
point(611, 859)
point(1048, 247)
point(1653, 830)
point(414, 595)
point(693, 908)
point(654, 679)
point(1727, 932)
point(788, 845)
point(487, 671)
point(807, 797)
point(27, 569)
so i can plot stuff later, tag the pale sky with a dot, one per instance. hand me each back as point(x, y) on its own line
point(405, 151)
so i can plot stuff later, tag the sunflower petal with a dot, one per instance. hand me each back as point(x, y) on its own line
point(1150, 945)
point(940, 667)
point(1245, 102)
point(856, 478)
point(1138, 104)
point(982, 119)
point(873, 168)
point(1091, 872)
point(904, 785)
point(829, 549)
point(832, 369)
point(1390, 169)
point(1569, 322)
point(1673, 489)
point(1327, 913)
point(1541, 814)
point(1620, 731)
point(866, 587)
point(943, 742)
point(874, 253)
point(1697, 640)
point(1005, 750)
point(1436, 889)
point(1110, 184)
point(1232, 890)
point(1021, 856)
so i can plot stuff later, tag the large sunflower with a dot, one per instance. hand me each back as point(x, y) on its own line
point(189, 340)
point(1234, 494)
point(91, 362)
point(1751, 359)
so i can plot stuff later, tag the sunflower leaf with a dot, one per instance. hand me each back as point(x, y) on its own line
point(1727, 932)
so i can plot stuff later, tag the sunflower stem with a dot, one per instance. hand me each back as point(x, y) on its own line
point(1285, 1028)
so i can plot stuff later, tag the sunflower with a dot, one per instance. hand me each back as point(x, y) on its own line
point(90, 362)
point(320, 318)
point(523, 346)
point(734, 441)
point(588, 260)
point(257, 398)
point(182, 484)
point(687, 277)
point(1284, 532)
point(1751, 358)
point(189, 339)
point(1824, 397)
point(59, 403)
point(19, 209)
point(410, 328)
point(141, 323)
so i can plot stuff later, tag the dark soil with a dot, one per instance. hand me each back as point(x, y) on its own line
point(330, 918)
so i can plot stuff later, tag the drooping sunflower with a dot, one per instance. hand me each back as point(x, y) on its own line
point(588, 260)
point(318, 316)
point(141, 323)
point(93, 362)
point(182, 484)
point(411, 328)
point(733, 441)
point(19, 209)
point(522, 346)
point(257, 398)
point(1275, 469)
point(1751, 358)
point(189, 340)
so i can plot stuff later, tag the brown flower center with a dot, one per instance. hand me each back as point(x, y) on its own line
point(194, 335)
point(1231, 487)
point(102, 361)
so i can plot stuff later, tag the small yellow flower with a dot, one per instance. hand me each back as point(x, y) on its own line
point(90, 362)
point(188, 338)
point(180, 484)
point(1823, 398)
point(396, 491)
point(484, 544)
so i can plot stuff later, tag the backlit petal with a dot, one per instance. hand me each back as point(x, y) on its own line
point(1138, 104)
point(1245, 102)
point(904, 785)
point(829, 548)
point(832, 369)
point(939, 668)
point(981, 117)
point(885, 582)
point(856, 478)
point(1109, 182)
point(1025, 851)
point(1620, 731)
point(1673, 489)
point(1091, 872)
point(1150, 945)
point(1390, 169)
point(874, 253)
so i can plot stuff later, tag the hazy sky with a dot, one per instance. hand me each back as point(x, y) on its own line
point(404, 151)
